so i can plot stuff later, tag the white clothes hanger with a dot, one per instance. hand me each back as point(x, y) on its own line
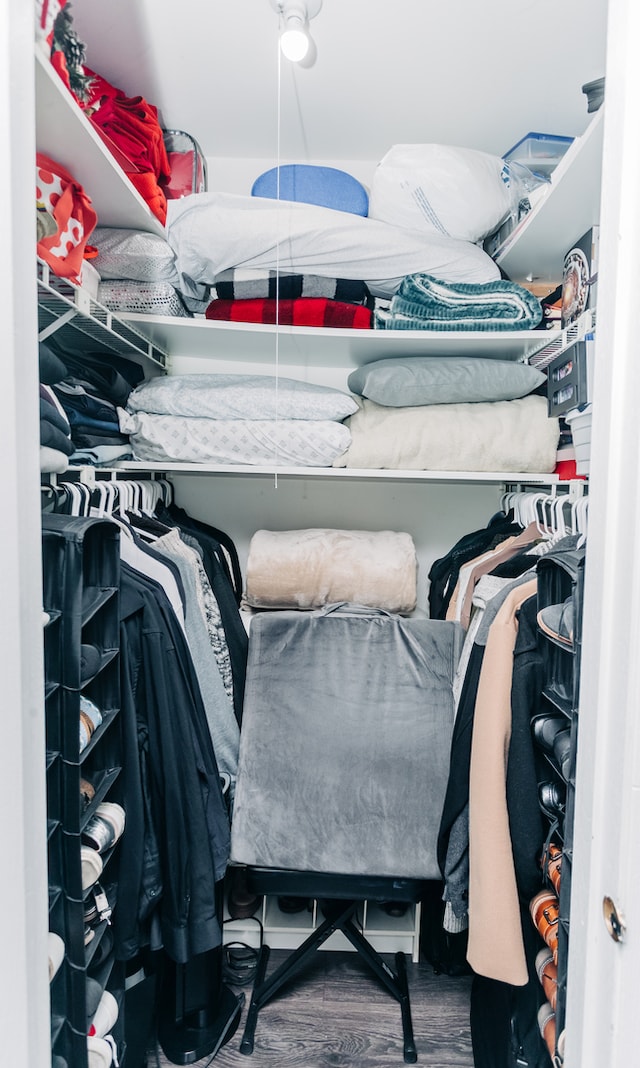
point(547, 511)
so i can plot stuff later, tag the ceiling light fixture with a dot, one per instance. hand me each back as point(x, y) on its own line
point(295, 15)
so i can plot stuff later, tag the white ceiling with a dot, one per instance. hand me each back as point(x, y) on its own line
point(457, 71)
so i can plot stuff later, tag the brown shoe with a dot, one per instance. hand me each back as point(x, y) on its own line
point(241, 903)
point(553, 866)
point(545, 915)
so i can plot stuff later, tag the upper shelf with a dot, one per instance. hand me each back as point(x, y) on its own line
point(65, 134)
point(535, 249)
point(313, 346)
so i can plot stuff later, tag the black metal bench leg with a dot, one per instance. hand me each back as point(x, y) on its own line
point(410, 1051)
point(265, 989)
point(246, 1046)
point(395, 982)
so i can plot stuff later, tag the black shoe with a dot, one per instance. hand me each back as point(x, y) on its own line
point(395, 908)
point(546, 728)
point(291, 905)
point(556, 621)
point(551, 797)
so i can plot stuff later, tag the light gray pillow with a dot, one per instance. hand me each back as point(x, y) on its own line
point(133, 254)
point(228, 396)
point(401, 383)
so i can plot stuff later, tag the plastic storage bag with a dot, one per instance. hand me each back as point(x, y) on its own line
point(459, 192)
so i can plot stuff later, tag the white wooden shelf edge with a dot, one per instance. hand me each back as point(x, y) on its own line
point(88, 474)
point(535, 249)
point(265, 343)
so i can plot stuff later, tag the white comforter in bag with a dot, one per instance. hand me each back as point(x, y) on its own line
point(213, 232)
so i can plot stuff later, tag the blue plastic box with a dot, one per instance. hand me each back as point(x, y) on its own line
point(541, 153)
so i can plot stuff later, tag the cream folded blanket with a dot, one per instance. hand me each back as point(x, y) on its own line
point(310, 568)
point(515, 435)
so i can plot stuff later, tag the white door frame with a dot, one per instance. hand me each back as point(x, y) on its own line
point(24, 980)
point(604, 976)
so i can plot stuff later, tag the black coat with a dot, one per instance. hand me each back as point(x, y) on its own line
point(176, 844)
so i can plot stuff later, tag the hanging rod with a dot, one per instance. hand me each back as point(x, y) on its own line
point(90, 476)
point(572, 489)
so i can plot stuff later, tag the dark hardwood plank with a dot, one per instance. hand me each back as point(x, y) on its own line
point(336, 1014)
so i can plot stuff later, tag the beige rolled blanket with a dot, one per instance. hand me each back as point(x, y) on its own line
point(307, 569)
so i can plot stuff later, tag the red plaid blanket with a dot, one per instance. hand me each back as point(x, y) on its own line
point(302, 311)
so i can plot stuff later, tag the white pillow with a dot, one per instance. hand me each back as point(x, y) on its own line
point(443, 380)
point(222, 396)
point(441, 189)
point(133, 254)
point(281, 443)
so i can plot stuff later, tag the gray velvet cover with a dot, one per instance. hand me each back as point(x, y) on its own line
point(344, 749)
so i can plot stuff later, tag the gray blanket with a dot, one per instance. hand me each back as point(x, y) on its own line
point(344, 751)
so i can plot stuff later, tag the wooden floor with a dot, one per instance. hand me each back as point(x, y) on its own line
point(337, 1015)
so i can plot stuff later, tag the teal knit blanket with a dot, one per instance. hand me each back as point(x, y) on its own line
point(425, 303)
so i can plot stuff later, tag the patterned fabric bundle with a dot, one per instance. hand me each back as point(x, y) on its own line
point(300, 312)
point(424, 303)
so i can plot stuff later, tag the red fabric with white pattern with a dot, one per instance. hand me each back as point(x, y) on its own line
point(59, 194)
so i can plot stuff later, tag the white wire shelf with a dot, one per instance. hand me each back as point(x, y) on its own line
point(65, 309)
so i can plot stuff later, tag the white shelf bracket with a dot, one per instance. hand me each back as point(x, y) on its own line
point(62, 320)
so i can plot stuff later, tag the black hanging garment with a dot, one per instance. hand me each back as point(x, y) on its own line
point(177, 842)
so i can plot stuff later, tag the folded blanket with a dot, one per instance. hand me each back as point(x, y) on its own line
point(52, 461)
point(311, 568)
point(424, 303)
point(514, 435)
point(312, 311)
point(52, 414)
point(54, 438)
point(244, 284)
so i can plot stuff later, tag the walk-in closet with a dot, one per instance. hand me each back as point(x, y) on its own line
point(319, 599)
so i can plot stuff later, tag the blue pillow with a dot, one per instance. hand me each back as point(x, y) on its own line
point(307, 184)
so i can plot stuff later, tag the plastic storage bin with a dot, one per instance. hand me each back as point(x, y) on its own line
point(188, 165)
point(541, 153)
point(580, 422)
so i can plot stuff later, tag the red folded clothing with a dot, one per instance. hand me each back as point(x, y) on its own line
point(132, 126)
point(148, 188)
point(300, 311)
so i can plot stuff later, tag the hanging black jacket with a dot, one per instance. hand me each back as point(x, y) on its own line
point(444, 572)
point(177, 842)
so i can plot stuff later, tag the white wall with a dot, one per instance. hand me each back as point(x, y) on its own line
point(462, 72)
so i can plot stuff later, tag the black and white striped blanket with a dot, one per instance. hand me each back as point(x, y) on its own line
point(245, 284)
